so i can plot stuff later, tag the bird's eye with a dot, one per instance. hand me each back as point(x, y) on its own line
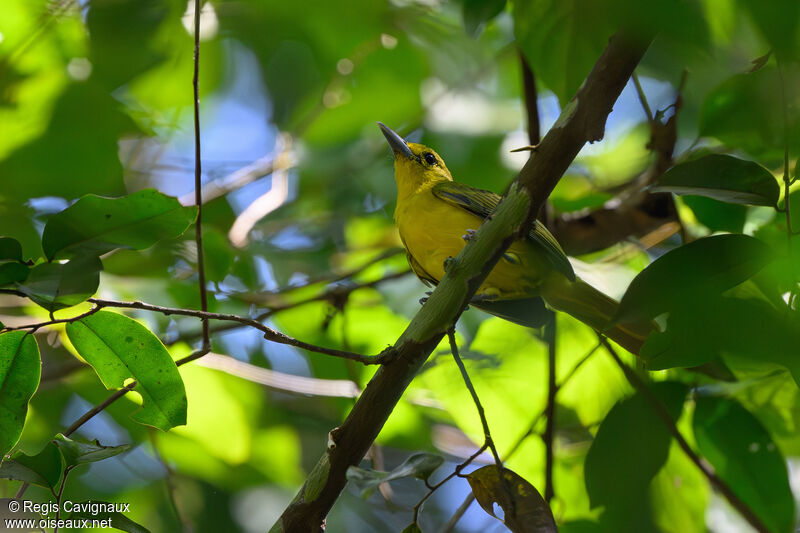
point(430, 158)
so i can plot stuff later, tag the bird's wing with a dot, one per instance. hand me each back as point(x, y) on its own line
point(481, 203)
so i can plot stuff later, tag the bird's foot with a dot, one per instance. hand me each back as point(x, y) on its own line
point(425, 298)
point(469, 235)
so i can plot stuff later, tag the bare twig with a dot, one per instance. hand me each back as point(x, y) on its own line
point(456, 472)
point(662, 413)
point(198, 187)
point(269, 333)
point(642, 97)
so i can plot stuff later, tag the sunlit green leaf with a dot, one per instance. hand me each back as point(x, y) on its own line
point(524, 509)
point(119, 348)
point(97, 225)
point(745, 457)
point(722, 177)
point(632, 430)
point(58, 285)
point(706, 266)
point(20, 368)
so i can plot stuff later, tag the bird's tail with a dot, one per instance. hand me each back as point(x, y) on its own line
point(592, 307)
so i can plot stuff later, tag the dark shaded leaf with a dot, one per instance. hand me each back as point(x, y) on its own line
point(20, 369)
point(778, 22)
point(118, 519)
point(524, 509)
point(412, 528)
point(43, 469)
point(77, 453)
point(746, 112)
point(706, 266)
point(58, 285)
point(722, 177)
point(561, 40)
point(13, 273)
point(631, 446)
point(704, 328)
point(746, 458)
point(477, 13)
point(96, 225)
point(119, 348)
point(419, 465)
point(10, 249)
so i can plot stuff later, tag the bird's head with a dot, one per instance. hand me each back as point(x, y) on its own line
point(414, 164)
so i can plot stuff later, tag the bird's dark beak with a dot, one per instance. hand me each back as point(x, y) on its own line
point(396, 142)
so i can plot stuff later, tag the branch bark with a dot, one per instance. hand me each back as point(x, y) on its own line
point(582, 120)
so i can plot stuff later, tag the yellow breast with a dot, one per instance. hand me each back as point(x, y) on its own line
point(432, 230)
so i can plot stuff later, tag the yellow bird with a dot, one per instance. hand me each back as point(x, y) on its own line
point(435, 217)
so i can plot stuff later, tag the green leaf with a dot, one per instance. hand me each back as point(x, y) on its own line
point(746, 458)
point(704, 267)
point(77, 453)
point(746, 112)
point(119, 348)
point(704, 328)
point(20, 369)
point(717, 216)
point(13, 273)
point(524, 509)
point(561, 40)
point(477, 13)
point(631, 446)
point(10, 249)
point(43, 469)
point(412, 528)
point(91, 510)
point(778, 22)
point(722, 177)
point(419, 465)
point(96, 225)
point(58, 285)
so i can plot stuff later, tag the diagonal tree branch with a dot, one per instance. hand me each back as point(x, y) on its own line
point(582, 120)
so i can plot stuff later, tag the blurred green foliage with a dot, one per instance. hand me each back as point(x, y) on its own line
point(96, 97)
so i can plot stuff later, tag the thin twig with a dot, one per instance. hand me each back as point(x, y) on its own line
point(269, 333)
point(662, 413)
point(198, 188)
point(456, 472)
point(487, 436)
point(450, 525)
point(91, 413)
point(642, 97)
